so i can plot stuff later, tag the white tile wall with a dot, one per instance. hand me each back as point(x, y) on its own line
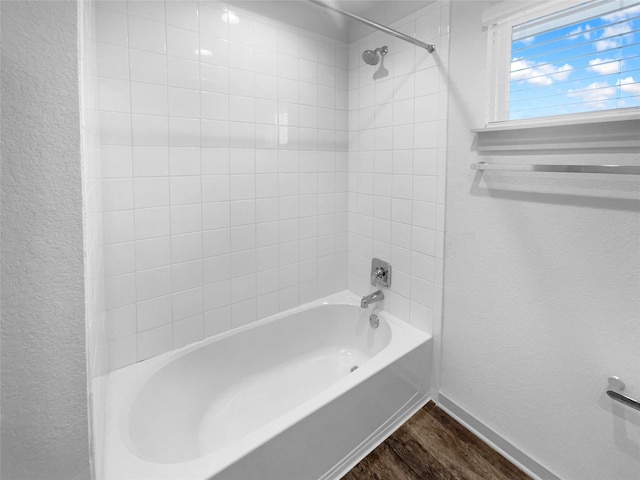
point(397, 139)
point(225, 174)
point(225, 170)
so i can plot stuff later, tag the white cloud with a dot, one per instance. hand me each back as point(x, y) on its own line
point(622, 14)
point(586, 32)
point(605, 66)
point(620, 32)
point(538, 74)
point(618, 29)
point(629, 85)
point(607, 44)
point(528, 40)
point(597, 93)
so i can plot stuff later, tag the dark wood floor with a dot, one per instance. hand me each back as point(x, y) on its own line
point(433, 446)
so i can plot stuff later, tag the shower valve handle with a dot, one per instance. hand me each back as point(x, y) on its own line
point(378, 273)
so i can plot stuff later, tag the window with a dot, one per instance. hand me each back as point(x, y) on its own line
point(565, 58)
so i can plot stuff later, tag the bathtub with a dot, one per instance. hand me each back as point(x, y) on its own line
point(304, 394)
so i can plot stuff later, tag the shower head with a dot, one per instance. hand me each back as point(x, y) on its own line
point(371, 57)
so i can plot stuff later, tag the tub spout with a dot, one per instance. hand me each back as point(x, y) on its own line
point(374, 297)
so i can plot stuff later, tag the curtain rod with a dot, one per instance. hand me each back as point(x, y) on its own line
point(427, 46)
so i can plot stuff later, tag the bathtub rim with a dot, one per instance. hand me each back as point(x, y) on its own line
point(128, 382)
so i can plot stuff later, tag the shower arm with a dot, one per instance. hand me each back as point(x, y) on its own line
point(427, 46)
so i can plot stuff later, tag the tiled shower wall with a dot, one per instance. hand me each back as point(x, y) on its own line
point(397, 163)
point(225, 170)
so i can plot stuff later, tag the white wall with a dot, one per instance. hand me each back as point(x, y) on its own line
point(44, 379)
point(397, 161)
point(541, 291)
point(225, 171)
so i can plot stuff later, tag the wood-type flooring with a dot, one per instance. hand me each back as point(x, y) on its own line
point(433, 446)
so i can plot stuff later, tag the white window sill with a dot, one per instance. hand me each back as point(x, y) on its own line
point(612, 131)
point(581, 119)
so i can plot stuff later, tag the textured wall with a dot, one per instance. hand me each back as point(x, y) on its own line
point(541, 290)
point(44, 384)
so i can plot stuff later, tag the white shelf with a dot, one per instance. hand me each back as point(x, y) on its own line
point(601, 133)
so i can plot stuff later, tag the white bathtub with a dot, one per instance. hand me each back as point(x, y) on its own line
point(272, 400)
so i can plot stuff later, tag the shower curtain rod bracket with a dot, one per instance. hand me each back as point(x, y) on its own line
point(427, 46)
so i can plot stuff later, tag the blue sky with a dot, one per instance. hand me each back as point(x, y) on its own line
point(591, 65)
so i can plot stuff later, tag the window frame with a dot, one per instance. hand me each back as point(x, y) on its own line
point(498, 21)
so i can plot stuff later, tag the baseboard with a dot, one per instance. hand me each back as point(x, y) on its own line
point(495, 441)
point(379, 436)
